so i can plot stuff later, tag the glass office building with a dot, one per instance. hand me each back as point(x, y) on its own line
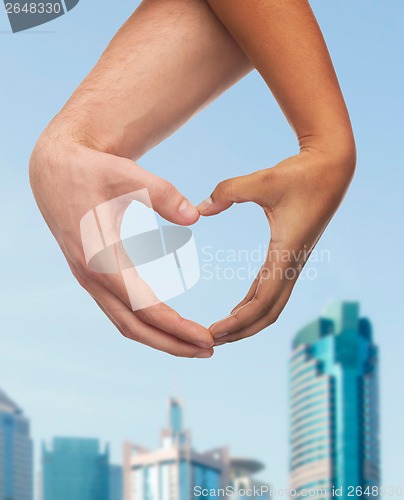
point(75, 469)
point(16, 452)
point(334, 428)
point(115, 482)
point(172, 472)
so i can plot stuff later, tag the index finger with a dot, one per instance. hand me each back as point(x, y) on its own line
point(277, 275)
point(133, 328)
point(136, 295)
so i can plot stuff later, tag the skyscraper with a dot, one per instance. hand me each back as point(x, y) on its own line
point(16, 452)
point(74, 469)
point(177, 472)
point(334, 428)
point(172, 472)
point(115, 482)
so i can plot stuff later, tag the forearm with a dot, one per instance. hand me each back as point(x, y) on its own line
point(170, 59)
point(285, 44)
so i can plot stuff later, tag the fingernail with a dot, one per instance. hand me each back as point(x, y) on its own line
point(203, 354)
point(220, 335)
point(206, 344)
point(202, 207)
point(186, 208)
point(217, 326)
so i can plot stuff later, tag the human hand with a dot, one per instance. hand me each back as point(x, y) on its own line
point(68, 180)
point(299, 197)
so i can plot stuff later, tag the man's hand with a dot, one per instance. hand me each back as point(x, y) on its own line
point(68, 180)
point(145, 86)
point(299, 196)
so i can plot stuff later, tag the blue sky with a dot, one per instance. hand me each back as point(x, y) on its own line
point(62, 360)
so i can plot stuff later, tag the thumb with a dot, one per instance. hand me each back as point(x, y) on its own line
point(171, 204)
point(165, 198)
point(236, 190)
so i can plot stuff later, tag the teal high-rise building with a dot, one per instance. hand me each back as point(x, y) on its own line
point(75, 469)
point(16, 452)
point(334, 427)
point(115, 482)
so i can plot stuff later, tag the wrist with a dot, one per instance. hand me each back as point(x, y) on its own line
point(97, 128)
point(337, 153)
point(70, 127)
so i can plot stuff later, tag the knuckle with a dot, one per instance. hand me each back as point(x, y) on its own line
point(267, 176)
point(177, 352)
point(224, 189)
point(164, 191)
point(127, 331)
point(83, 279)
point(236, 315)
point(273, 318)
point(80, 265)
point(233, 340)
point(142, 314)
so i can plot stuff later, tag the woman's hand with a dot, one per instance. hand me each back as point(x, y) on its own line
point(299, 196)
point(69, 180)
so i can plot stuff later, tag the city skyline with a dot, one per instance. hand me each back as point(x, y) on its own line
point(78, 468)
point(339, 336)
point(334, 434)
